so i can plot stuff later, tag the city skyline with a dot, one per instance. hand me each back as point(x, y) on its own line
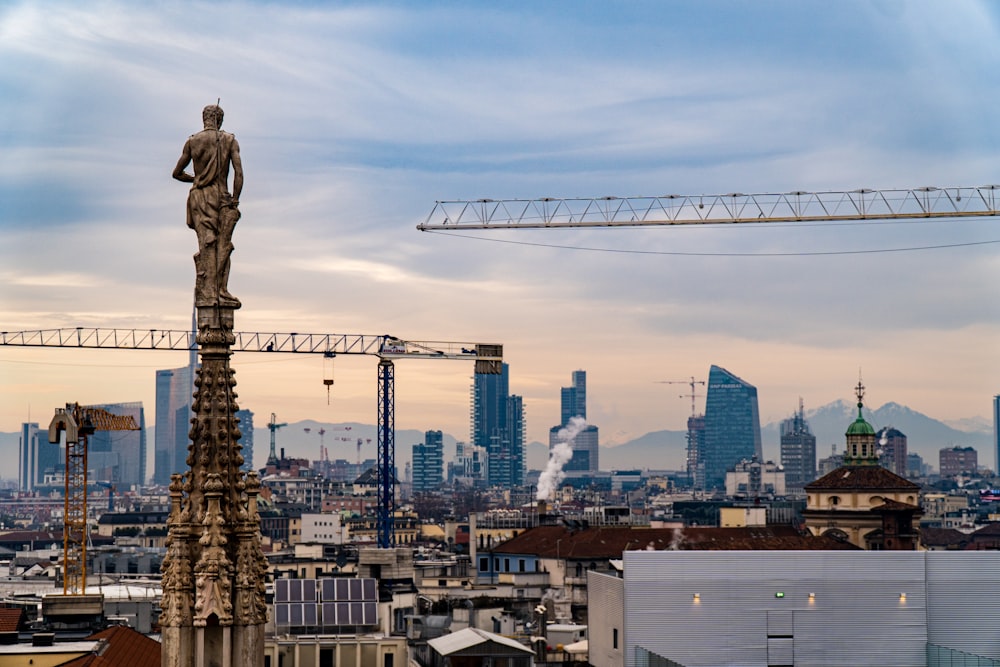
point(354, 119)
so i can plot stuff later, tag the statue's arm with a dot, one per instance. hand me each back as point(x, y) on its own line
point(182, 164)
point(237, 171)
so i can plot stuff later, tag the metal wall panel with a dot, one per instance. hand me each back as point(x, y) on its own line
point(605, 614)
point(963, 588)
point(711, 608)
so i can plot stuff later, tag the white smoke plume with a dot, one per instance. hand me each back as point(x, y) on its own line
point(560, 454)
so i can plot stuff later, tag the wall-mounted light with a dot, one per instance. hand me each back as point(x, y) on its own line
point(902, 597)
point(779, 594)
point(697, 597)
point(812, 596)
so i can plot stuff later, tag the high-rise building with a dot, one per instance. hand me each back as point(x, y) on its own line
point(732, 425)
point(174, 389)
point(996, 433)
point(498, 427)
point(958, 461)
point(467, 468)
point(798, 450)
point(428, 462)
point(573, 399)
point(174, 392)
point(892, 450)
point(38, 457)
point(696, 451)
point(573, 403)
point(246, 438)
point(119, 456)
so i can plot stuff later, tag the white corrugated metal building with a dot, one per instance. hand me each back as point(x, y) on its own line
point(802, 608)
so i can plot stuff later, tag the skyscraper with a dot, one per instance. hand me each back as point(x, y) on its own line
point(573, 403)
point(174, 389)
point(996, 433)
point(498, 427)
point(732, 425)
point(246, 440)
point(37, 457)
point(696, 451)
point(798, 450)
point(428, 462)
point(120, 456)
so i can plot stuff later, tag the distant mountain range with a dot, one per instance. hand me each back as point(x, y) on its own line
point(658, 450)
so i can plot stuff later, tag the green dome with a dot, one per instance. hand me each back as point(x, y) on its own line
point(860, 426)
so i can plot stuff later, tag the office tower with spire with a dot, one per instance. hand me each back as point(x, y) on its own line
point(573, 403)
point(732, 425)
point(798, 450)
point(497, 425)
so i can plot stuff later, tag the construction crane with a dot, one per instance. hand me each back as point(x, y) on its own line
point(488, 359)
point(79, 423)
point(273, 426)
point(734, 208)
point(692, 382)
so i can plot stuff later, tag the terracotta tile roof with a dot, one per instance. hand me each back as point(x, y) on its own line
point(942, 537)
point(989, 530)
point(610, 541)
point(862, 477)
point(11, 620)
point(125, 647)
point(890, 505)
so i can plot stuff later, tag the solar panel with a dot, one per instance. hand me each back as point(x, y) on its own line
point(370, 590)
point(281, 590)
point(281, 614)
point(370, 613)
point(329, 614)
point(309, 614)
point(308, 590)
point(356, 590)
point(328, 590)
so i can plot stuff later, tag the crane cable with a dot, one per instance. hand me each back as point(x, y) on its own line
point(628, 251)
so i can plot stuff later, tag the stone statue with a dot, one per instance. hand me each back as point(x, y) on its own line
point(212, 212)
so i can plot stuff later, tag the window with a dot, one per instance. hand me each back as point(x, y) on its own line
point(520, 565)
point(506, 565)
point(614, 638)
point(484, 564)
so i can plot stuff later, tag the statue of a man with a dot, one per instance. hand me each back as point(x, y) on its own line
point(212, 212)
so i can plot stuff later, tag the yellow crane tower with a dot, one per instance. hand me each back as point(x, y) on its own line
point(79, 422)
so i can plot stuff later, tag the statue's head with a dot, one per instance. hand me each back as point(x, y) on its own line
point(212, 116)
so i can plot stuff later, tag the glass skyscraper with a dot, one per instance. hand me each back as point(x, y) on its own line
point(120, 456)
point(428, 462)
point(174, 389)
point(498, 427)
point(38, 457)
point(732, 425)
point(573, 403)
point(996, 431)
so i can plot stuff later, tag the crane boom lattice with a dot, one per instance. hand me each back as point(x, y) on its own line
point(488, 359)
point(735, 207)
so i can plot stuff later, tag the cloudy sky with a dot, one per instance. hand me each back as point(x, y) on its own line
point(354, 118)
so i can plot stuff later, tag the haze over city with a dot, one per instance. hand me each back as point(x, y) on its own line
point(354, 118)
